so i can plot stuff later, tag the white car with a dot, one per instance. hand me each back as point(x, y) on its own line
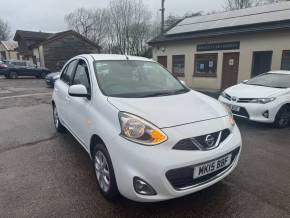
point(265, 98)
point(150, 137)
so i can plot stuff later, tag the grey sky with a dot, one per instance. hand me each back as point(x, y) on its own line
point(48, 15)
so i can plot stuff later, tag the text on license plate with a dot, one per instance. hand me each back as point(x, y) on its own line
point(210, 167)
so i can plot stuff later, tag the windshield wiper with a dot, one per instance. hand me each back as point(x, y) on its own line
point(280, 87)
point(257, 85)
point(156, 94)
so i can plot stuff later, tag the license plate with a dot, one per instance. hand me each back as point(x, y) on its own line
point(210, 167)
point(235, 108)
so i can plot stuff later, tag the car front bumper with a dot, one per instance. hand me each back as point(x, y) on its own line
point(153, 163)
point(254, 111)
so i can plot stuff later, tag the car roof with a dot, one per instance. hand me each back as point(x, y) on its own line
point(109, 57)
point(280, 72)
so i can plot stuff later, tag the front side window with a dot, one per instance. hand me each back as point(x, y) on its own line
point(274, 80)
point(82, 75)
point(136, 79)
point(67, 73)
point(178, 65)
point(206, 65)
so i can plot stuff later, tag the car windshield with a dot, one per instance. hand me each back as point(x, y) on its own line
point(274, 80)
point(136, 79)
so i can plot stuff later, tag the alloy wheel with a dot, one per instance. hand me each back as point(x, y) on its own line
point(102, 171)
point(284, 118)
point(55, 117)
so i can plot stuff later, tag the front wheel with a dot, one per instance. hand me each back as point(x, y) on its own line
point(282, 119)
point(105, 173)
point(57, 124)
point(13, 75)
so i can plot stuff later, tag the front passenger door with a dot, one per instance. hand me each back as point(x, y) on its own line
point(61, 90)
point(79, 116)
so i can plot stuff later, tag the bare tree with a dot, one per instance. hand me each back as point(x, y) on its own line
point(80, 20)
point(129, 26)
point(238, 4)
point(90, 23)
point(5, 31)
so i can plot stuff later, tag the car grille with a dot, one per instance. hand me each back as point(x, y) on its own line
point(182, 178)
point(238, 100)
point(199, 142)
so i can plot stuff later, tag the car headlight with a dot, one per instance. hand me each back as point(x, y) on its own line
point(223, 94)
point(138, 130)
point(262, 100)
point(230, 115)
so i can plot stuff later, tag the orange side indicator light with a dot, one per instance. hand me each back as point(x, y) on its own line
point(157, 137)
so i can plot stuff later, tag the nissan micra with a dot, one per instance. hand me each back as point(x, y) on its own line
point(150, 137)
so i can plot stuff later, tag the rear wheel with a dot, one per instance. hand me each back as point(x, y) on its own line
point(13, 75)
point(42, 75)
point(57, 124)
point(282, 119)
point(105, 173)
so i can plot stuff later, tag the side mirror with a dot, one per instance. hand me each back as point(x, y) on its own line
point(182, 82)
point(78, 91)
point(245, 81)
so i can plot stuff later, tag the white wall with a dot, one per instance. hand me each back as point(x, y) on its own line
point(275, 41)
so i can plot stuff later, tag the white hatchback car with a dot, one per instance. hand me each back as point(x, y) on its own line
point(150, 137)
point(265, 98)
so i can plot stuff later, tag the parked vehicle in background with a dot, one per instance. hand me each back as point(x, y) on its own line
point(265, 98)
point(51, 78)
point(150, 137)
point(13, 68)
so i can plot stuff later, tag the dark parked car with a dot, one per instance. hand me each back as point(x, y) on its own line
point(51, 78)
point(13, 69)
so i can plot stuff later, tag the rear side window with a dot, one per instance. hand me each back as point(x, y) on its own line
point(67, 74)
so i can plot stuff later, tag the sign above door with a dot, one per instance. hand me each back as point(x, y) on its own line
point(218, 46)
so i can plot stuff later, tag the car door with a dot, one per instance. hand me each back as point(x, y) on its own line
point(61, 91)
point(21, 68)
point(79, 117)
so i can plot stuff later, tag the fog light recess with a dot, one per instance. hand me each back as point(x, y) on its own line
point(142, 187)
point(266, 114)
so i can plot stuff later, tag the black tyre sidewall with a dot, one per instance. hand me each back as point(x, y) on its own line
point(112, 194)
point(277, 118)
point(11, 73)
point(42, 75)
point(60, 128)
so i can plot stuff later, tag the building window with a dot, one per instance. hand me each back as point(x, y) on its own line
point(178, 62)
point(285, 60)
point(205, 65)
point(262, 62)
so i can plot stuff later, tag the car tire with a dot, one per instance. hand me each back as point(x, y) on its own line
point(104, 172)
point(42, 75)
point(57, 124)
point(13, 75)
point(282, 119)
